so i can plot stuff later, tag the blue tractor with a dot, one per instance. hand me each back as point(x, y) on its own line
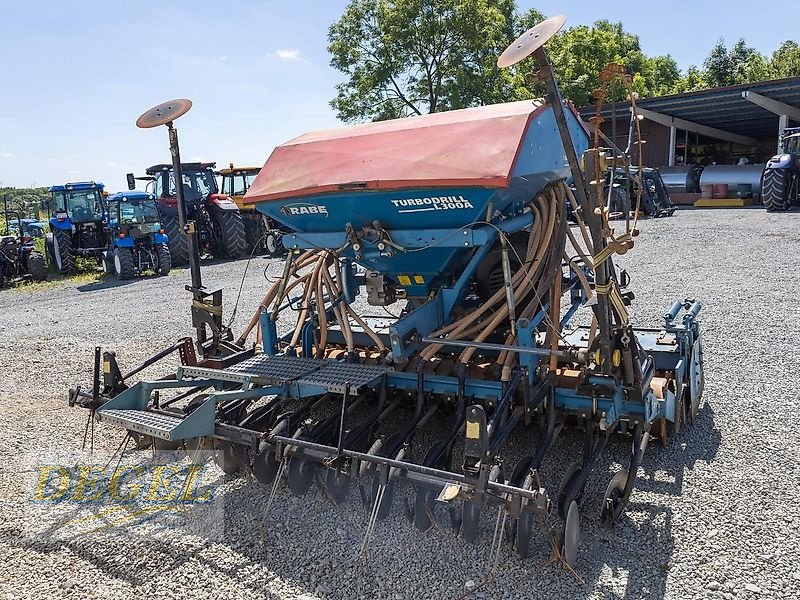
point(137, 241)
point(779, 183)
point(78, 224)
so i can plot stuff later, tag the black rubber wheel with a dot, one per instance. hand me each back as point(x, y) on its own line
point(62, 252)
point(48, 250)
point(272, 242)
point(775, 190)
point(177, 240)
point(253, 230)
point(123, 264)
point(164, 259)
point(37, 267)
point(234, 242)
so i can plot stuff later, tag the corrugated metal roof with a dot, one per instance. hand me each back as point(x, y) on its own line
point(723, 108)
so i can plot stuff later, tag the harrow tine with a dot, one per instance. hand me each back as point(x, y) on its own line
point(274, 489)
point(497, 539)
point(373, 519)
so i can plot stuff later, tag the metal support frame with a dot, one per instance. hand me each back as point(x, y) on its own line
point(713, 132)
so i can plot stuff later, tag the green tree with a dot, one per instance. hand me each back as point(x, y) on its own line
point(579, 54)
point(406, 57)
point(785, 61)
point(692, 81)
point(717, 66)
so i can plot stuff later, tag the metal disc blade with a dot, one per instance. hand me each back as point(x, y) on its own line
point(470, 519)
point(164, 113)
point(227, 458)
point(264, 466)
point(423, 508)
point(572, 535)
point(300, 473)
point(530, 41)
point(337, 485)
point(523, 533)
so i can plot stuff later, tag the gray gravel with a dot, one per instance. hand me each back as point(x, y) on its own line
point(713, 516)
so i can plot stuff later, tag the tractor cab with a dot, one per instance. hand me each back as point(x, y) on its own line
point(133, 214)
point(138, 242)
point(236, 181)
point(78, 224)
point(80, 202)
point(199, 185)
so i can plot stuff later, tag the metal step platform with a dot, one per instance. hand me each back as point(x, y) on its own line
point(279, 370)
point(154, 424)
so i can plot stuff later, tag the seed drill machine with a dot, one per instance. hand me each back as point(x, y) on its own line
point(452, 226)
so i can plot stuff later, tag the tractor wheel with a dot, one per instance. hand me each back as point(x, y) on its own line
point(37, 266)
point(234, 243)
point(62, 252)
point(272, 241)
point(178, 242)
point(107, 261)
point(164, 259)
point(253, 230)
point(123, 264)
point(775, 190)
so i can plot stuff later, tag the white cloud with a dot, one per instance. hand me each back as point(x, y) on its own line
point(287, 54)
point(111, 163)
point(8, 155)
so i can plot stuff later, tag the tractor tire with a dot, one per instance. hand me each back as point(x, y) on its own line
point(37, 266)
point(123, 264)
point(62, 252)
point(253, 230)
point(107, 262)
point(775, 190)
point(234, 242)
point(273, 243)
point(164, 259)
point(178, 241)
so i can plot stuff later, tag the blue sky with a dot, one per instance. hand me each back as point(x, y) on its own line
point(76, 75)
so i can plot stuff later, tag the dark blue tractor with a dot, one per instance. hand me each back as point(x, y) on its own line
point(779, 183)
point(137, 241)
point(78, 224)
point(19, 259)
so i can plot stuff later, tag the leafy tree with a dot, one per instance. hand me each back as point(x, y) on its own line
point(579, 54)
point(785, 61)
point(692, 81)
point(717, 66)
point(406, 57)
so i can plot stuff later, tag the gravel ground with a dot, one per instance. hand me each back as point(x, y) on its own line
point(713, 516)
